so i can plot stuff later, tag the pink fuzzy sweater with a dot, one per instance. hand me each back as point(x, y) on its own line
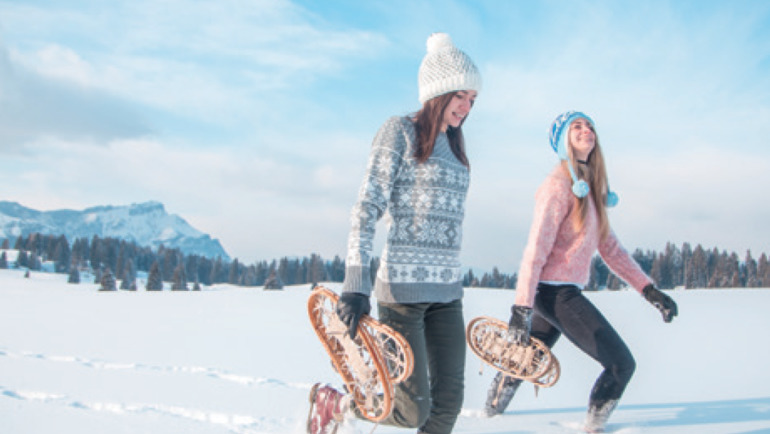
point(556, 252)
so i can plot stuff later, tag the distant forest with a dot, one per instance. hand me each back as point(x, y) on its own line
point(115, 262)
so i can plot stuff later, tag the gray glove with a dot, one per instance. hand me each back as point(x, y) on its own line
point(665, 304)
point(520, 324)
point(350, 308)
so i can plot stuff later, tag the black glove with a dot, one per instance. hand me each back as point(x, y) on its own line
point(665, 304)
point(520, 324)
point(350, 308)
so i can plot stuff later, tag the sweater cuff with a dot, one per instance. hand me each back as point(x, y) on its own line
point(358, 279)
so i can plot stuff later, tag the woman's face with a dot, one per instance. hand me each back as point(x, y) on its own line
point(459, 107)
point(582, 137)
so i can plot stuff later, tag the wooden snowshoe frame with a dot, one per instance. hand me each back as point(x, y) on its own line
point(488, 338)
point(371, 364)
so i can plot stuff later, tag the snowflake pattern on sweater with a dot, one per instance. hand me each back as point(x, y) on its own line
point(426, 206)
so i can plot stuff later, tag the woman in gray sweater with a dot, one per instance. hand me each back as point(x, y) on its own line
point(418, 173)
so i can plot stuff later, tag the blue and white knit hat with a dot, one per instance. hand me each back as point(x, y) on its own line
point(445, 69)
point(558, 139)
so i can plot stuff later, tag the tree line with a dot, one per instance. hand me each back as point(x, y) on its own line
point(674, 267)
point(117, 262)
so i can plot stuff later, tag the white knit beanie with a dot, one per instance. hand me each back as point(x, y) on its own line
point(445, 69)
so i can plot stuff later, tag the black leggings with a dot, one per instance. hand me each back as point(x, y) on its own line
point(563, 309)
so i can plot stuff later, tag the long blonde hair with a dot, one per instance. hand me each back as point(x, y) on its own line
point(595, 174)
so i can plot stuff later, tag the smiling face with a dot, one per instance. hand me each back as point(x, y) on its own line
point(582, 138)
point(458, 108)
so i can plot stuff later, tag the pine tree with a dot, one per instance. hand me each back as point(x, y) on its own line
point(661, 271)
point(338, 269)
point(285, 272)
point(686, 257)
point(734, 271)
point(675, 266)
point(154, 279)
point(712, 259)
point(262, 272)
point(34, 262)
point(3, 260)
point(97, 275)
point(485, 279)
point(95, 257)
point(234, 275)
point(468, 278)
point(613, 282)
point(108, 281)
point(752, 280)
point(203, 270)
point(298, 270)
point(497, 279)
point(216, 270)
point(763, 271)
point(316, 271)
point(597, 278)
point(21, 259)
point(33, 245)
point(644, 259)
point(249, 276)
point(735, 282)
point(191, 267)
point(696, 269)
point(722, 275)
point(80, 251)
point(62, 255)
point(129, 276)
point(74, 275)
point(120, 263)
point(179, 282)
point(167, 267)
point(273, 281)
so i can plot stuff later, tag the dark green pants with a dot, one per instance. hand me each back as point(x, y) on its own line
point(432, 397)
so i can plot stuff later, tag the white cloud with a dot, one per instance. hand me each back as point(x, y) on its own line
point(58, 62)
point(206, 60)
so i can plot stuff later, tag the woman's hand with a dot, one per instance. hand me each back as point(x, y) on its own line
point(350, 308)
point(520, 324)
point(665, 304)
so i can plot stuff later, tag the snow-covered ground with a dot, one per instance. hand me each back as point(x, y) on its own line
point(228, 359)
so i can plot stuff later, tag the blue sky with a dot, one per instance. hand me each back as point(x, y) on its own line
point(253, 119)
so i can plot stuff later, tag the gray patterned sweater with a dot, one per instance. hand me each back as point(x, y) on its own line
point(426, 203)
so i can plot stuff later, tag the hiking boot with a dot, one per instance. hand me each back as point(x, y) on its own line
point(500, 393)
point(326, 413)
point(598, 414)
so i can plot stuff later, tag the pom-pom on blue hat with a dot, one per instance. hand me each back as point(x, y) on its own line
point(558, 140)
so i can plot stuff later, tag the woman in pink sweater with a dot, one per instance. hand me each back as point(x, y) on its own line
point(569, 226)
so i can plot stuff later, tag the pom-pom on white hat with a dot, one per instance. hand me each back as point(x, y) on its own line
point(445, 69)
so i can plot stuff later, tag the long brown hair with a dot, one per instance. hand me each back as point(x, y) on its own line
point(595, 174)
point(427, 123)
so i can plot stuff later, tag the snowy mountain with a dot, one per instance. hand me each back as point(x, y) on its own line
point(146, 224)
